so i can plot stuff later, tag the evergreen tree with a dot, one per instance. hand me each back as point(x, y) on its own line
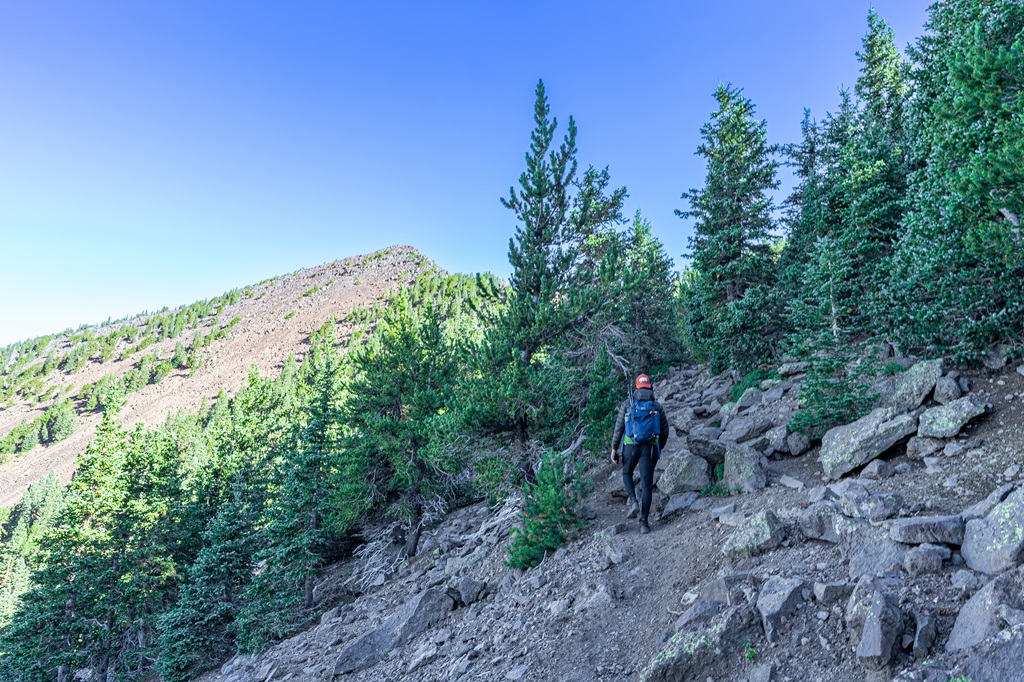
point(957, 270)
point(730, 318)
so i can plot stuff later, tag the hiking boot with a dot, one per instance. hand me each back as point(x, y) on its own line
point(634, 509)
point(644, 528)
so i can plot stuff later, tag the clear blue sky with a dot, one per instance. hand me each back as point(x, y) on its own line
point(156, 153)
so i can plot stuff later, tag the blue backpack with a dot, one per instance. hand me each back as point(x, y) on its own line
point(644, 423)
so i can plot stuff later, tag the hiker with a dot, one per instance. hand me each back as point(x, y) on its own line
point(642, 430)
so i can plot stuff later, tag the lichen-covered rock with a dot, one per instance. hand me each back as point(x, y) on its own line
point(980, 617)
point(875, 623)
point(743, 469)
point(750, 397)
point(847, 447)
point(994, 544)
point(742, 429)
point(798, 444)
point(859, 502)
point(947, 530)
point(909, 389)
point(946, 421)
point(684, 473)
point(947, 390)
point(869, 549)
point(775, 440)
point(691, 654)
point(818, 521)
point(760, 533)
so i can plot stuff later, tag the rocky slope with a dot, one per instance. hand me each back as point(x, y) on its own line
point(890, 551)
point(276, 319)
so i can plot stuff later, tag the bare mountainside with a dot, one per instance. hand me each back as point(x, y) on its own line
point(272, 320)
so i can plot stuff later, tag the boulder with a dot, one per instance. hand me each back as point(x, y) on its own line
point(919, 448)
point(760, 533)
point(798, 444)
point(696, 653)
point(701, 443)
point(471, 589)
point(924, 634)
point(419, 613)
point(700, 611)
point(775, 393)
point(684, 473)
point(997, 660)
point(860, 503)
point(980, 510)
point(875, 624)
point(994, 544)
point(743, 469)
point(818, 522)
point(925, 559)
point(946, 421)
point(777, 603)
point(845, 448)
point(870, 551)
point(980, 617)
point(742, 429)
point(750, 397)
point(997, 356)
point(946, 530)
point(827, 594)
point(731, 589)
point(877, 470)
point(791, 368)
point(776, 440)
point(906, 391)
point(946, 390)
point(682, 420)
point(677, 504)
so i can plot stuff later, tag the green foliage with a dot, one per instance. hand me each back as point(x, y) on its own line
point(551, 516)
point(716, 488)
point(732, 308)
point(749, 652)
point(60, 422)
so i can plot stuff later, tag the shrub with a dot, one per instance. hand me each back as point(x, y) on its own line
point(551, 516)
point(61, 422)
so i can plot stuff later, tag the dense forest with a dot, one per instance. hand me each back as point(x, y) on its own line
point(174, 547)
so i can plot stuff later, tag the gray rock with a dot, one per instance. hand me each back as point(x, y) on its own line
point(419, 613)
point(1020, 370)
point(743, 469)
point(946, 390)
point(919, 448)
point(718, 512)
point(859, 502)
point(777, 603)
point(695, 653)
point(947, 420)
point(684, 473)
point(471, 589)
point(761, 533)
point(731, 589)
point(791, 368)
point(832, 593)
point(875, 624)
point(776, 438)
point(750, 397)
point(742, 429)
point(925, 559)
point(773, 394)
point(798, 444)
point(948, 530)
point(994, 544)
point(845, 448)
point(701, 611)
point(708, 448)
point(979, 617)
point(998, 660)
point(870, 551)
point(877, 470)
point(819, 494)
point(966, 581)
point(762, 673)
point(924, 634)
point(683, 419)
point(909, 389)
point(980, 510)
point(997, 356)
point(791, 482)
point(953, 449)
point(677, 504)
point(818, 522)
point(518, 672)
point(616, 553)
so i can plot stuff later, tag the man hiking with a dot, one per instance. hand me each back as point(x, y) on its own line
point(642, 431)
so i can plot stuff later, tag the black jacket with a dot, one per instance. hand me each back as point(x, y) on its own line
point(620, 422)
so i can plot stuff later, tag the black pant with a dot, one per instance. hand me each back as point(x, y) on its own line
point(645, 456)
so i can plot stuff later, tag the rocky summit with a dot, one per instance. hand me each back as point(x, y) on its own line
point(898, 570)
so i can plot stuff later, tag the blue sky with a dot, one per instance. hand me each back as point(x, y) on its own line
point(158, 153)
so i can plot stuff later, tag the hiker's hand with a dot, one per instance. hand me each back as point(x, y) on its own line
point(615, 456)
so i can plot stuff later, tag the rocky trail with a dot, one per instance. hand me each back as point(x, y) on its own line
point(886, 552)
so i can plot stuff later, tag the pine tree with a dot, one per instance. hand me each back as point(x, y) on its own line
point(730, 317)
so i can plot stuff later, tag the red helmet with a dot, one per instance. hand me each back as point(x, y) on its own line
point(643, 381)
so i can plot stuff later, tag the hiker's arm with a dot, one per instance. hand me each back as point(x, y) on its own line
point(620, 429)
point(663, 432)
